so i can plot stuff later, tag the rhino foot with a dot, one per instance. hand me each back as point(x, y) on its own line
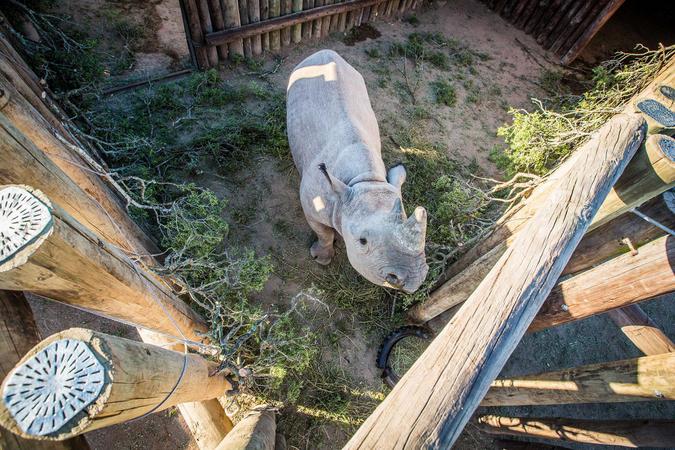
point(322, 255)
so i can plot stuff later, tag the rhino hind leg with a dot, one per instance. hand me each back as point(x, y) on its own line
point(322, 250)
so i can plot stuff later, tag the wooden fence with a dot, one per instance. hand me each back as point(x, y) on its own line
point(564, 27)
point(218, 30)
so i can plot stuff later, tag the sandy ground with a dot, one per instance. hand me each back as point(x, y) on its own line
point(269, 190)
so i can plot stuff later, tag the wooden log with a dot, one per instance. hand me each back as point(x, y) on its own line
point(306, 25)
point(527, 12)
point(62, 260)
point(264, 16)
point(536, 16)
point(207, 27)
point(277, 23)
point(590, 31)
point(232, 21)
point(432, 402)
point(286, 8)
point(297, 28)
point(254, 16)
point(575, 21)
point(275, 36)
point(563, 24)
point(196, 33)
point(243, 13)
point(619, 282)
point(626, 433)
point(545, 18)
point(115, 380)
point(18, 334)
point(640, 379)
point(555, 22)
point(573, 36)
point(325, 22)
point(650, 173)
point(218, 22)
point(641, 330)
point(316, 24)
point(609, 240)
point(256, 431)
point(32, 154)
point(342, 20)
point(207, 422)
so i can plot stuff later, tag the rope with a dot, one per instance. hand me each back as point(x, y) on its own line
point(652, 221)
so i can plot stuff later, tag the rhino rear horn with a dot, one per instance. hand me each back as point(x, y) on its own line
point(397, 211)
point(417, 222)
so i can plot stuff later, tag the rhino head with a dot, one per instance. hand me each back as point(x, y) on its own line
point(383, 245)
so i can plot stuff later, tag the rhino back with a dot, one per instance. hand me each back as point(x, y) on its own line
point(330, 119)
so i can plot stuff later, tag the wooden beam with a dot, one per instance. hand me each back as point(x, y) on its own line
point(620, 282)
point(641, 330)
point(256, 431)
point(630, 380)
point(277, 23)
point(51, 254)
point(83, 380)
point(432, 402)
point(622, 433)
point(18, 334)
point(650, 173)
point(609, 240)
point(577, 47)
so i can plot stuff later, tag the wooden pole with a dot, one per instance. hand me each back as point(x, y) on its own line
point(622, 433)
point(254, 15)
point(286, 8)
point(577, 47)
point(243, 13)
point(218, 22)
point(650, 173)
point(275, 35)
point(49, 253)
point(207, 422)
point(18, 334)
point(32, 153)
point(639, 379)
point(232, 21)
point(609, 240)
point(83, 380)
point(196, 33)
point(256, 431)
point(641, 330)
point(432, 402)
point(297, 28)
point(619, 282)
point(207, 27)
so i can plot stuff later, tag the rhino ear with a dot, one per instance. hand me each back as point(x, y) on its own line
point(338, 186)
point(396, 175)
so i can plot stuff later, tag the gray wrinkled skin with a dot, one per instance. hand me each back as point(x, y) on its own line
point(335, 141)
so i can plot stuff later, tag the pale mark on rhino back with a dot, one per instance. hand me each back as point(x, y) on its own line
point(327, 71)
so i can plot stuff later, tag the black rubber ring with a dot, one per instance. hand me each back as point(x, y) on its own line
point(389, 377)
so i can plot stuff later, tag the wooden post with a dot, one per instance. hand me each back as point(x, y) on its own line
point(275, 36)
point(18, 334)
point(207, 422)
point(207, 26)
point(436, 397)
point(650, 173)
point(641, 330)
point(256, 431)
point(196, 33)
point(233, 20)
point(286, 9)
point(254, 16)
point(80, 380)
point(243, 14)
point(49, 253)
point(31, 153)
point(218, 22)
point(619, 282)
point(609, 240)
point(623, 433)
point(297, 28)
point(639, 379)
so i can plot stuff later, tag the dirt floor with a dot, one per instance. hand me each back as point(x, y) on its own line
point(504, 72)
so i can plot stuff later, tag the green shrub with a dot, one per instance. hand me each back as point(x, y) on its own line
point(444, 92)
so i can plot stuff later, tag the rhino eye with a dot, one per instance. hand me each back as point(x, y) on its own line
point(363, 241)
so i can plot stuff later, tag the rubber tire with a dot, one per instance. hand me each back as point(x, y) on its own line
point(389, 377)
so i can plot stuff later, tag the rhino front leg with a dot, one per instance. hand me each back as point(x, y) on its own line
point(322, 250)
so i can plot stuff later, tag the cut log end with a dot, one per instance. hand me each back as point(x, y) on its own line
point(52, 389)
point(25, 222)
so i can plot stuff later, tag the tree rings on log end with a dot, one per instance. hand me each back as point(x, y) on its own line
point(25, 222)
point(659, 118)
point(51, 388)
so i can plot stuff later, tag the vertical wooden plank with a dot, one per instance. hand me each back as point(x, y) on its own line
point(275, 36)
point(196, 33)
point(342, 22)
point(297, 29)
point(316, 24)
point(335, 20)
point(254, 16)
point(207, 26)
point(286, 8)
point(548, 12)
point(541, 7)
point(218, 21)
point(233, 20)
point(574, 34)
point(564, 24)
point(264, 15)
point(557, 18)
point(325, 23)
point(524, 16)
point(243, 14)
point(307, 26)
